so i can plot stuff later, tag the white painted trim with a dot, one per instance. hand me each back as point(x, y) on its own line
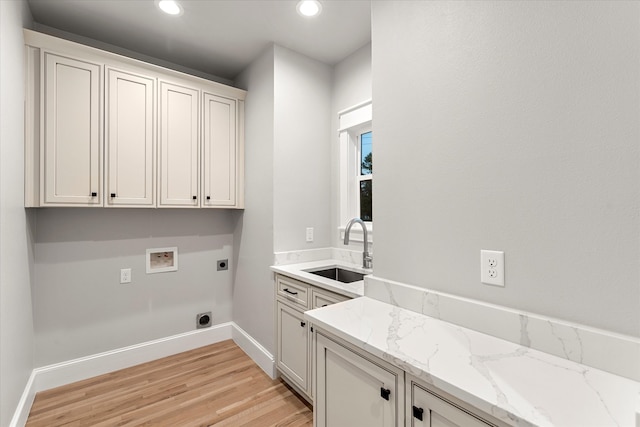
point(255, 351)
point(60, 374)
point(355, 107)
point(21, 414)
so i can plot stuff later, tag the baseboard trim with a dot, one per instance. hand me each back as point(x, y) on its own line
point(255, 351)
point(82, 368)
point(24, 405)
point(59, 374)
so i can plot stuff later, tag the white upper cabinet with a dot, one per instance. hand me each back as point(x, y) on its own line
point(219, 151)
point(71, 167)
point(130, 139)
point(170, 139)
point(179, 146)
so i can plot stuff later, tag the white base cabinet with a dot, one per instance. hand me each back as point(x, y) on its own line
point(427, 407)
point(354, 390)
point(295, 344)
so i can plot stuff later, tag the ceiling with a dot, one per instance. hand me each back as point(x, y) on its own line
point(217, 37)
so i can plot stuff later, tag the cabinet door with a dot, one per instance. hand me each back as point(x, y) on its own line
point(130, 139)
point(179, 146)
point(219, 151)
point(428, 410)
point(293, 345)
point(354, 391)
point(71, 168)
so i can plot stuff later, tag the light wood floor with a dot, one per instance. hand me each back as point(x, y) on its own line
point(217, 385)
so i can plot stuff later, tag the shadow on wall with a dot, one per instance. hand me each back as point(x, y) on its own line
point(56, 225)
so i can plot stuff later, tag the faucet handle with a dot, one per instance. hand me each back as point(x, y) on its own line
point(367, 260)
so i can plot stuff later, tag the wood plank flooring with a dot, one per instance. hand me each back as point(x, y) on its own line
point(216, 385)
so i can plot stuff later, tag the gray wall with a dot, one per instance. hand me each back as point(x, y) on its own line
point(351, 85)
point(302, 161)
point(16, 243)
point(253, 238)
point(80, 307)
point(287, 167)
point(511, 126)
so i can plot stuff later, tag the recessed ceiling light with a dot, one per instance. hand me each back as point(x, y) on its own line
point(309, 8)
point(170, 7)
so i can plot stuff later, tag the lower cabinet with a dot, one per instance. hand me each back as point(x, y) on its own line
point(355, 391)
point(433, 408)
point(295, 344)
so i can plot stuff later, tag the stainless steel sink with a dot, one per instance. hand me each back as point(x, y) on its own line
point(339, 274)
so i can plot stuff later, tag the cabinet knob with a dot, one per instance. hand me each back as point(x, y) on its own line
point(195, 198)
point(94, 194)
point(302, 324)
point(385, 393)
point(113, 194)
point(208, 197)
point(417, 413)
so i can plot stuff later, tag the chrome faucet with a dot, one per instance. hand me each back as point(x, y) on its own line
point(367, 260)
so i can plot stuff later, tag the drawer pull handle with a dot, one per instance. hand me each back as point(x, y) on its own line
point(302, 324)
point(385, 393)
point(324, 305)
point(417, 413)
point(290, 292)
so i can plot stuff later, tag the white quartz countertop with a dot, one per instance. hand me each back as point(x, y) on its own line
point(299, 271)
point(516, 384)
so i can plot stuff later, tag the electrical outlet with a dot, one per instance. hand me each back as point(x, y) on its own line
point(222, 264)
point(309, 234)
point(125, 275)
point(203, 320)
point(492, 267)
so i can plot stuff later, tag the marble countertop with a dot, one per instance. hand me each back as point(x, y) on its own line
point(299, 271)
point(516, 384)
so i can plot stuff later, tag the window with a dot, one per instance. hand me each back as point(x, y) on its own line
point(365, 176)
point(356, 165)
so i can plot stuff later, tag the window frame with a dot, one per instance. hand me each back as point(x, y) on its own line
point(353, 122)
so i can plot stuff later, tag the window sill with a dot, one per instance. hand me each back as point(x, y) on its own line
point(356, 234)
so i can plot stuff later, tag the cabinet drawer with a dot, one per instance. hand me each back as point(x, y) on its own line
point(428, 408)
point(293, 291)
point(323, 298)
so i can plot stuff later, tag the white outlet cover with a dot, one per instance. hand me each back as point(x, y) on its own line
point(492, 267)
point(125, 275)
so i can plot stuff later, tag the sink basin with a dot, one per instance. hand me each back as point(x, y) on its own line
point(339, 274)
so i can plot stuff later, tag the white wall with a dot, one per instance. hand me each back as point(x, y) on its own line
point(302, 161)
point(253, 238)
point(511, 126)
point(80, 307)
point(16, 325)
point(351, 85)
